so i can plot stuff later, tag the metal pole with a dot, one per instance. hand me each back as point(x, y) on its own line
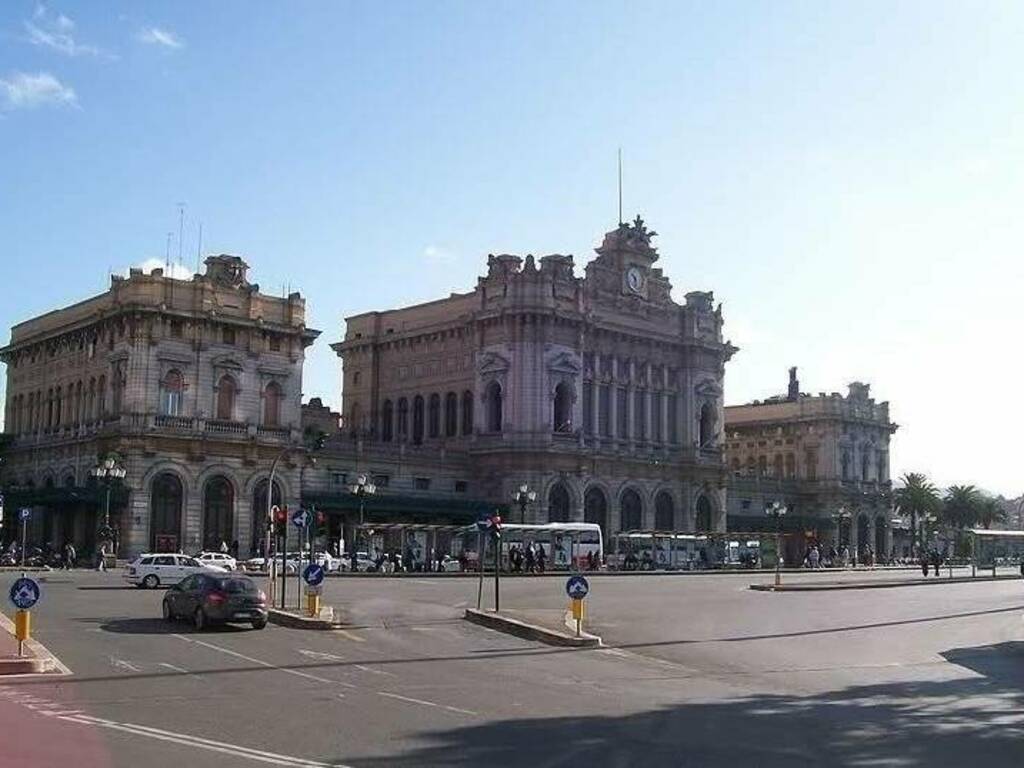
point(24, 533)
point(480, 567)
point(497, 571)
point(284, 560)
point(271, 567)
point(778, 551)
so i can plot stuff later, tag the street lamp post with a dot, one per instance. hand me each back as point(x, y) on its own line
point(777, 510)
point(361, 488)
point(108, 470)
point(523, 496)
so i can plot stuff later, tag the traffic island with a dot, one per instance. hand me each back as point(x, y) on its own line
point(36, 659)
point(502, 622)
point(328, 618)
point(837, 585)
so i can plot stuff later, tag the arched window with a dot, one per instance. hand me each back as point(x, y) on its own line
point(58, 403)
point(218, 513)
point(467, 413)
point(272, 404)
point(31, 411)
point(703, 514)
point(69, 481)
point(762, 465)
point(165, 513)
point(493, 400)
point(790, 465)
point(631, 508)
point(417, 420)
point(864, 460)
point(664, 512)
point(562, 416)
point(707, 425)
point(387, 421)
point(451, 415)
point(558, 504)
point(91, 409)
point(79, 405)
point(49, 408)
point(172, 395)
point(117, 389)
point(226, 392)
point(845, 463)
point(435, 415)
point(595, 508)
point(403, 418)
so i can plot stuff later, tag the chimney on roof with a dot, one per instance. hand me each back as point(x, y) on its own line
point(794, 385)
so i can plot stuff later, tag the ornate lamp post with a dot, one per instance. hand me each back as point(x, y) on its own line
point(841, 516)
point(523, 496)
point(777, 510)
point(108, 470)
point(361, 488)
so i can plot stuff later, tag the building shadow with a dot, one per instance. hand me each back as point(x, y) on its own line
point(974, 718)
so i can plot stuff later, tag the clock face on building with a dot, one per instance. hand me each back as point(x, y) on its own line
point(635, 279)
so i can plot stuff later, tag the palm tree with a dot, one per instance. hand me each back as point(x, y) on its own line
point(961, 506)
point(917, 497)
point(990, 512)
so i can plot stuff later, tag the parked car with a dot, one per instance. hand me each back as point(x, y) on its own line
point(363, 562)
point(154, 570)
point(450, 564)
point(218, 558)
point(215, 599)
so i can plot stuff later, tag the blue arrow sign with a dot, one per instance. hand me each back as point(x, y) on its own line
point(300, 519)
point(24, 513)
point(313, 574)
point(24, 593)
point(577, 587)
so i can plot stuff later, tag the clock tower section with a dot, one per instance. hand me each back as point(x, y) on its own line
point(624, 267)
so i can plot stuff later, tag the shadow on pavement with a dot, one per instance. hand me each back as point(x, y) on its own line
point(157, 626)
point(965, 721)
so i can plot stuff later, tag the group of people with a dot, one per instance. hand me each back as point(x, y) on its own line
point(527, 559)
point(819, 557)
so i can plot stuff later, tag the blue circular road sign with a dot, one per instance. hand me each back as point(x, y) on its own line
point(313, 574)
point(577, 587)
point(300, 519)
point(24, 593)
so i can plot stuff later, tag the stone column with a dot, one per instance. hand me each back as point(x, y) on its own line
point(648, 422)
point(613, 410)
point(631, 415)
point(872, 538)
point(854, 535)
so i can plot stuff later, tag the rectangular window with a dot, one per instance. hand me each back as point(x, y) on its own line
point(621, 417)
point(588, 409)
point(339, 478)
point(382, 481)
point(228, 336)
point(461, 486)
point(421, 483)
point(673, 427)
point(275, 343)
point(604, 411)
point(177, 329)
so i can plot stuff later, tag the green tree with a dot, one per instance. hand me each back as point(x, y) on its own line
point(990, 512)
point(915, 499)
point(961, 506)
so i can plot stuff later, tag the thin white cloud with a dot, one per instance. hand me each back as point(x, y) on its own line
point(22, 90)
point(177, 271)
point(438, 254)
point(56, 32)
point(161, 37)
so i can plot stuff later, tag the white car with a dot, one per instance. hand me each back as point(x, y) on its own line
point(218, 558)
point(159, 570)
point(363, 562)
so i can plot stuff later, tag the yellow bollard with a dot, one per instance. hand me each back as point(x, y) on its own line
point(22, 628)
point(577, 614)
point(313, 604)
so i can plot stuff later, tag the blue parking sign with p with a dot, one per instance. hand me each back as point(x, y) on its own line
point(24, 513)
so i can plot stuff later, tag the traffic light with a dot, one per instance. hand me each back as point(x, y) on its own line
point(320, 520)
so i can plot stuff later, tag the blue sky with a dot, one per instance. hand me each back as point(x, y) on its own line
point(847, 177)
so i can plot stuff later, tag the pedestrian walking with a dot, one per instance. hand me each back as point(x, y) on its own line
point(223, 547)
point(531, 558)
point(101, 558)
point(541, 557)
point(69, 556)
point(814, 558)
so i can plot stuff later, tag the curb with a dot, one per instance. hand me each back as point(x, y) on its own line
point(880, 585)
point(299, 621)
point(529, 631)
point(42, 661)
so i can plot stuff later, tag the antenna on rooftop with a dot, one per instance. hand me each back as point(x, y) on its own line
point(199, 248)
point(620, 185)
point(167, 254)
point(181, 230)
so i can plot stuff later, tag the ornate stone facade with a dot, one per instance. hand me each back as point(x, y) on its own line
point(194, 384)
point(825, 456)
point(601, 392)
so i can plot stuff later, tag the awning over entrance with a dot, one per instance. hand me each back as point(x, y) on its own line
point(400, 508)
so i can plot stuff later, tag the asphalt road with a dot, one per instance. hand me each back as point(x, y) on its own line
point(700, 671)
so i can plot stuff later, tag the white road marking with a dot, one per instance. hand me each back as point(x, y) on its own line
point(200, 743)
point(122, 664)
point(349, 636)
point(374, 671)
point(182, 670)
point(320, 655)
point(426, 703)
point(268, 665)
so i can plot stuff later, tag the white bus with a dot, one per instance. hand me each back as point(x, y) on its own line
point(567, 546)
point(665, 550)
